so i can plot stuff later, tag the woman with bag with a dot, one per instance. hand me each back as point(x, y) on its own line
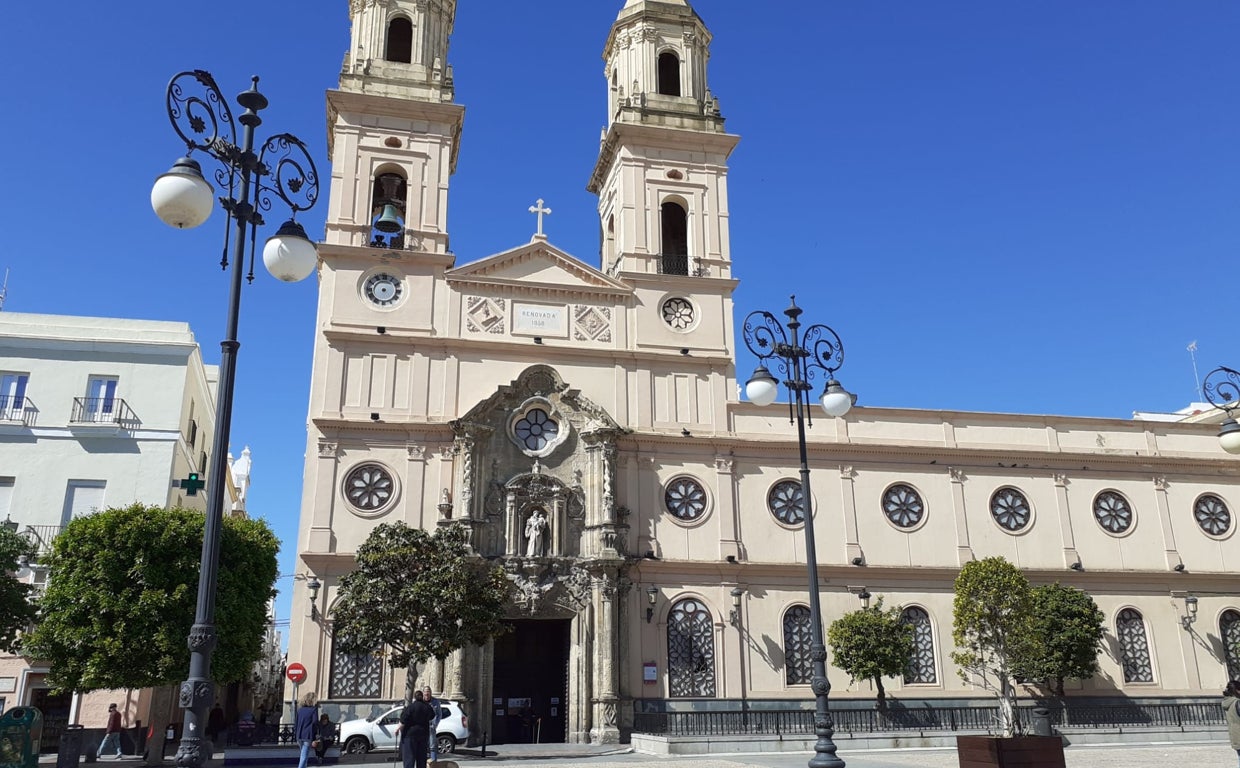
point(306, 726)
point(414, 730)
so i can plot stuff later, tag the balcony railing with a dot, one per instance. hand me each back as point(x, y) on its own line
point(104, 411)
point(17, 410)
point(1180, 716)
point(41, 536)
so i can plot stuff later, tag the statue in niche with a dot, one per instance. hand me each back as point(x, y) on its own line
point(535, 532)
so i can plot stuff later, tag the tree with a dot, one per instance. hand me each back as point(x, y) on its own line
point(121, 594)
point(16, 609)
point(1066, 637)
point(420, 596)
point(870, 644)
point(992, 627)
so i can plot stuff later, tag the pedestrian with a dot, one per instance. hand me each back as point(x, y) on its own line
point(1231, 713)
point(414, 728)
point(435, 705)
point(112, 734)
point(306, 725)
point(327, 736)
point(215, 722)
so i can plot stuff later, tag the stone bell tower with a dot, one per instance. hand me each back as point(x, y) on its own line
point(661, 174)
point(393, 129)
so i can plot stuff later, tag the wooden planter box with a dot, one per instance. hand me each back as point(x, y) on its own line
point(1014, 752)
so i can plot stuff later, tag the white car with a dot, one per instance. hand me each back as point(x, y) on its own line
point(358, 736)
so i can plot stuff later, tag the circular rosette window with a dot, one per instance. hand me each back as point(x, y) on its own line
point(536, 428)
point(370, 489)
point(1113, 513)
point(903, 507)
point(786, 503)
point(679, 314)
point(685, 500)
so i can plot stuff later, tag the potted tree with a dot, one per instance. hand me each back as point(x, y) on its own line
point(870, 644)
point(993, 619)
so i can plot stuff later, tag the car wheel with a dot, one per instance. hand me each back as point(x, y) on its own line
point(356, 745)
point(447, 743)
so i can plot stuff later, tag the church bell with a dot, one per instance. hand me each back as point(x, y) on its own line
point(389, 221)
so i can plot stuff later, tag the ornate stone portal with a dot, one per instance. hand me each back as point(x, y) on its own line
point(535, 475)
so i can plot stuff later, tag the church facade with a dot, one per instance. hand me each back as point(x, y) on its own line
point(583, 423)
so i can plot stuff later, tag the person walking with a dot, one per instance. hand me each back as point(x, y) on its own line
point(436, 706)
point(1231, 713)
point(414, 728)
point(306, 725)
point(112, 734)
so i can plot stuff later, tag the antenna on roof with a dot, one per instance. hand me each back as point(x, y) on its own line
point(1192, 352)
point(4, 288)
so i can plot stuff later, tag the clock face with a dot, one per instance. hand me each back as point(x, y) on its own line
point(383, 289)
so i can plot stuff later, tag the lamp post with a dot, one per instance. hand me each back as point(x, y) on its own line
point(1222, 390)
point(182, 198)
point(816, 351)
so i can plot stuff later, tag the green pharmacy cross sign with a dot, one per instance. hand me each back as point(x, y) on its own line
point(192, 484)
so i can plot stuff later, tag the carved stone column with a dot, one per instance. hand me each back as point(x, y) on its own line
point(454, 676)
point(606, 728)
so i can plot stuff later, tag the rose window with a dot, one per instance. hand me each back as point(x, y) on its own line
point(368, 487)
point(903, 506)
point(685, 499)
point(1112, 512)
point(786, 502)
point(678, 313)
point(536, 430)
point(1212, 515)
point(1010, 509)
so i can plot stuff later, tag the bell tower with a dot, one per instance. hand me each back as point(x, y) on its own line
point(393, 129)
point(661, 175)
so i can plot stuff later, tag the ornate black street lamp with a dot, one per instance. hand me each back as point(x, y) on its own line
point(1222, 389)
point(182, 198)
point(817, 351)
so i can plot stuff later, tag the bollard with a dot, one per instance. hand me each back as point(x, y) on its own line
point(1042, 722)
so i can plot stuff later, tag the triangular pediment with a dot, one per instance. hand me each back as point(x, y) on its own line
point(538, 265)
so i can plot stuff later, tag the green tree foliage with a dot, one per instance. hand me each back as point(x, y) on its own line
point(420, 596)
point(992, 627)
point(16, 610)
point(122, 591)
point(1066, 637)
point(871, 644)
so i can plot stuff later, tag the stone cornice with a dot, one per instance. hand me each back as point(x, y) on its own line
point(446, 113)
point(654, 136)
point(385, 255)
point(511, 286)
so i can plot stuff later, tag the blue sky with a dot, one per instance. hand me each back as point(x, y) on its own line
point(1018, 206)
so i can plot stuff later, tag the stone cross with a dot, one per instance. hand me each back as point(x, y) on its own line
point(538, 209)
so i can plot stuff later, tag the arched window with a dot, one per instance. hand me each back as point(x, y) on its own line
point(609, 242)
point(669, 74)
point(921, 669)
point(400, 40)
point(798, 665)
point(690, 650)
point(1229, 630)
point(1135, 646)
point(675, 246)
point(387, 211)
point(355, 675)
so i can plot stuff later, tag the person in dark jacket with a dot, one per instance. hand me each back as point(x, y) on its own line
point(414, 731)
point(306, 725)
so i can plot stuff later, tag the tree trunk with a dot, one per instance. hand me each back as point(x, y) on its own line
point(882, 694)
point(1007, 706)
point(1059, 687)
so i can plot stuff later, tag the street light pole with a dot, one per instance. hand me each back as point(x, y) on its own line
point(183, 198)
point(800, 360)
point(1222, 390)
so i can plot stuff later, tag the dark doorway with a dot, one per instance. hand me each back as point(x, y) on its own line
point(55, 709)
point(531, 683)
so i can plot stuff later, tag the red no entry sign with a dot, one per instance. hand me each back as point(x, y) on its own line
point(296, 672)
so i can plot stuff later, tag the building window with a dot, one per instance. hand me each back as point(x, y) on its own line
point(685, 499)
point(675, 234)
point(786, 502)
point(369, 487)
point(1229, 631)
point(678, 314)
point(921, 668)
point(1212, 515)
point(100, 398)
point(669, 74)
point(13, 395)
point(389, 197)
point(400, 40)
point(798, 637)
point(536, 430)
point(202, 461)
point(1135, 647)
point(82, 497)
point(1112, 512)
point(6, 496)
point(355, 675)
point(690, 650)
point(1010, 509)
point(903, 506)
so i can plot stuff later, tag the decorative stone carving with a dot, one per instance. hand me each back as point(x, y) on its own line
point(541, 585)
point(486, 315)
point(724, 464)
point(591, 323)
point(328, 450)
point(957, 475)
point(1061, 480)
point(1160, 483)
point(416, 452)
point(535, 534)
point(445, 503)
